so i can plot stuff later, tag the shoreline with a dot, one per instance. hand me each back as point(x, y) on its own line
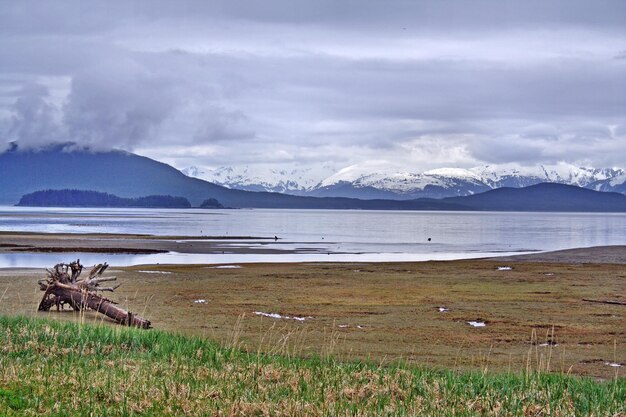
point(148, 249)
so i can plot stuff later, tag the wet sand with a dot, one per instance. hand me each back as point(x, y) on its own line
point(592, 255)
point(24, 242)
point(19, 242)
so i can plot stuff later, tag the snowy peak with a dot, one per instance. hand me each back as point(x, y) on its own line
point(614, 184)
point(193, 172)
point(437, 183)
point(453, 173)
point(293, 180)
point(382, 179)
point(352, 173)
point(515, 176)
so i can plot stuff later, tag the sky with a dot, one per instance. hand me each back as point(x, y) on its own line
point(292, 83)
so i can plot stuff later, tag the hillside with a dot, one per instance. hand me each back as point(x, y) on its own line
point(544, 197)
point(116, 172)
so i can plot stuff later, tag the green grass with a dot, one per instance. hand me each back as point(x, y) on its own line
point(68, 369)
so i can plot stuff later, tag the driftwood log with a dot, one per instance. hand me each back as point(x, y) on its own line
point(64, 285)
point(614, 302)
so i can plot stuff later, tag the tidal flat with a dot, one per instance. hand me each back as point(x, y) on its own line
point(534, 314)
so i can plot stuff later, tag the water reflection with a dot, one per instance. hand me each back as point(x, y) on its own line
point(46, 260)
point(345, 234)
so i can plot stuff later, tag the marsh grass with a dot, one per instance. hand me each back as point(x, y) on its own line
point(394, 304)
point(69, 369)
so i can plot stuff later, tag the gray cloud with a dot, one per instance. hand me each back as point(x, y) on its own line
point(227, 83)
point(118, 104)
point(34, 120)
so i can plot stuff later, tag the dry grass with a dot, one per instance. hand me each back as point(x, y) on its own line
point(395, 305)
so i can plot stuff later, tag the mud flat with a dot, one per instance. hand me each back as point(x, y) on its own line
point(23, 242)
point(592, 255)
point(504, 314)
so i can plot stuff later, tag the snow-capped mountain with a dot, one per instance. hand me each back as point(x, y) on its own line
point(193, 172)
point(615, 184)
point(497, 176)
point(437, 183)
point(447, 182)
point(290, 181)
point(379, 179)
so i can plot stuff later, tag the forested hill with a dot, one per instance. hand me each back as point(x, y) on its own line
point(81, 198)
point(543, 197)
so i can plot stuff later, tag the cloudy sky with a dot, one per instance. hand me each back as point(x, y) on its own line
point(286, 83)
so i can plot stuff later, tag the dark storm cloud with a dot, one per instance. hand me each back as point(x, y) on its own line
point(96, 17)
point(224, 82)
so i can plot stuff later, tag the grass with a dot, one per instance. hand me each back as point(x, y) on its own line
point(71, 369)
point(382, 312)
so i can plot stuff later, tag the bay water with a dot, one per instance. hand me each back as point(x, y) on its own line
point(321, 235)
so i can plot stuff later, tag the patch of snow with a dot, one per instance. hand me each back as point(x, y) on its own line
point(343, 326)
point(618, 180)
point(477, 323)
point(155, 272)
point(360, 327)
point(278, 316)
point(443, 309)
point(454, 173)
point(193, 171)
point(504, 268)
point(613, 364)
point(224, 267)
point(200, 301)
point(270, 315)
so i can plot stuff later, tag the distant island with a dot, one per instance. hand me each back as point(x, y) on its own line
point(86, 198)
point(211, 203)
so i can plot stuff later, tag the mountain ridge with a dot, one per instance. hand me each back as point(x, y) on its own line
point(375, 181)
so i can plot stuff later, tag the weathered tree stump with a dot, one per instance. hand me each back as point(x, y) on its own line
point(64, 286)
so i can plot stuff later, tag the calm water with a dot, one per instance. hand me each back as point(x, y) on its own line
point(346, 235)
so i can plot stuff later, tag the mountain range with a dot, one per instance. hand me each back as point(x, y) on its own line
point(358, 181)
point(127, 175)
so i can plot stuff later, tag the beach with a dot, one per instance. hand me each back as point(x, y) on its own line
point(502, 314)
